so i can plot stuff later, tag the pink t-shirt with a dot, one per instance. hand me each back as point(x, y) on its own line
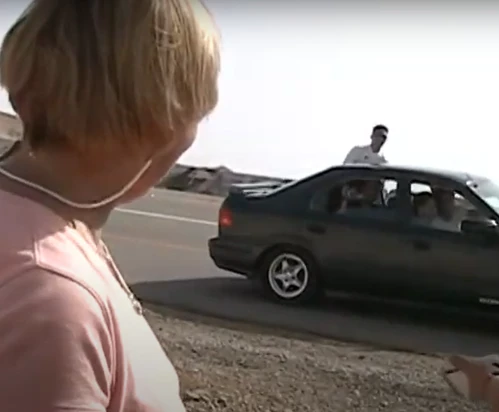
point(70, 338)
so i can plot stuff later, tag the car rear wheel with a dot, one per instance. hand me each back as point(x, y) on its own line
point(290, 276)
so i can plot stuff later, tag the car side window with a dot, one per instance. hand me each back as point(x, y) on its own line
point(366, 197)
point(440, 208)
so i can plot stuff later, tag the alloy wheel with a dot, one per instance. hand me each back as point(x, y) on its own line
point(288, 276)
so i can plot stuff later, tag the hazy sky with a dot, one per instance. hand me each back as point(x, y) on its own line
point(303, 81)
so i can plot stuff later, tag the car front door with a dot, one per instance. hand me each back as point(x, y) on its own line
point(453, 265)
point(358, 251)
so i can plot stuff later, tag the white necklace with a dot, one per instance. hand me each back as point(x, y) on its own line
point(105, 254)
point(117, 275)
point(68, 202)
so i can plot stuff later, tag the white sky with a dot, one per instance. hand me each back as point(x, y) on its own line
point(304, 81)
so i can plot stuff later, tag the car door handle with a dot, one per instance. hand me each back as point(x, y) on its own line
point(421, 245)
point(315, 228)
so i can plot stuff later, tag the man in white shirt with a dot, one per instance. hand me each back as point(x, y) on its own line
point(369, 154)
point(449, 215)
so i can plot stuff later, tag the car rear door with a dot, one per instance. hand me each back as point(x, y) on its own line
point(359, 251)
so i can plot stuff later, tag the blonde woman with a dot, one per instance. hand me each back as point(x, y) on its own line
point(110, 94)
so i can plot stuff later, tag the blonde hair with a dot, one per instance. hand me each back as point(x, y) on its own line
point(116, 73)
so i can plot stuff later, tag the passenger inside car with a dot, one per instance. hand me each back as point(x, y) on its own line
point(359, 194)
point(334, 199)
point(356, 194)
point(362, 196)
point(426, 213)
point(449, 216)
point(373, 192)
point(424, 208)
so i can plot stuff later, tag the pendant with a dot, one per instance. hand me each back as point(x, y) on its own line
point(136, 305)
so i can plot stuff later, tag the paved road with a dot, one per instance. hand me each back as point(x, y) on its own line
point(160, 244)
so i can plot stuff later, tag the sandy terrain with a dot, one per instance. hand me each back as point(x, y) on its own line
point(222, 369)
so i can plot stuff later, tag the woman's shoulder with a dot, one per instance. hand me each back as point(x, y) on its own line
point(32, 236)
point(55, 336)
point(44, 304)
point(40, 253)
point(39, 290)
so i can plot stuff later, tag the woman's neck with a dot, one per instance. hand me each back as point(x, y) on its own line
point(76, 187)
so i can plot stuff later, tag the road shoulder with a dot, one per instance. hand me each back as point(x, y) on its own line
point(247, 371)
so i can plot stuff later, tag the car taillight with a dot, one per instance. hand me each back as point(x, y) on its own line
point(225, 217)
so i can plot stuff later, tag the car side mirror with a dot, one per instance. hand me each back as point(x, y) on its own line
point(479, 227)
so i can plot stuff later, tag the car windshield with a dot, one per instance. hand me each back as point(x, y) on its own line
point(488, 191)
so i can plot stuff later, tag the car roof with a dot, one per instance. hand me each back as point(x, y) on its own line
point(417, 172)
point(459, 176)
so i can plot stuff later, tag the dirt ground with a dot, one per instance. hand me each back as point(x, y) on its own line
point(223, 369)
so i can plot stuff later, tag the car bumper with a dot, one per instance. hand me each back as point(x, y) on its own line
point(233, 257)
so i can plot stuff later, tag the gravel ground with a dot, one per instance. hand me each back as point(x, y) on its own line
point(224, 369)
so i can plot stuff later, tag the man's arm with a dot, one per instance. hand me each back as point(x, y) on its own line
point(56, 349)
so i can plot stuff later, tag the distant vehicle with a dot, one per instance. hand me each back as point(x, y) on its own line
point(297, 241)
point(257, 187)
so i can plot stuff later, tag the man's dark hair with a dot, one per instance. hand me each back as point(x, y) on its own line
point(380, 127)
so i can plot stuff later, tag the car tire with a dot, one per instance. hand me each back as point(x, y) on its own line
point(299, 284)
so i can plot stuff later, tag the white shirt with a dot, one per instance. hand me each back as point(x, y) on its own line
point(448, 225)
point(364, 154)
